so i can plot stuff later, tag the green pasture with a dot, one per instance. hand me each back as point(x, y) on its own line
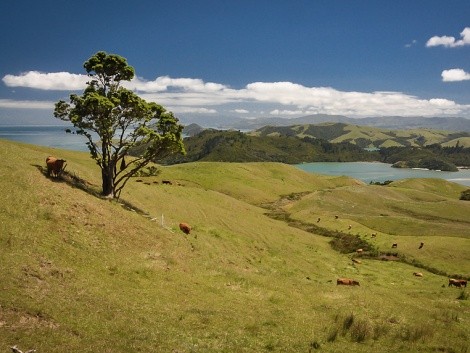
point(86, 274)
point(462, 141)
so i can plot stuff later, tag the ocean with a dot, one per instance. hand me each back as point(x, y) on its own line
point(56, 136)
point(45, 135)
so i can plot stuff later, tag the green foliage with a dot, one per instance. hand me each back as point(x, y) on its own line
point(236, 146)
point(121, 120)
point(431, 157)
point(383, 183)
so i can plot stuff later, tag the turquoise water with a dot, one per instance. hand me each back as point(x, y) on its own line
point(380, 172)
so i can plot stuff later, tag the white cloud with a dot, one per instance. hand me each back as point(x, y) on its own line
point(454, 75)
point(193, 110)
point(278, 112)
point(61, 81)
point(450, 42)
point(163, 83)
point(240, 111)
point(194, 96)
point(25, 104)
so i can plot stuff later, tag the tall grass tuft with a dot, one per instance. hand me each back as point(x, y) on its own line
point(332, 335)
point(360, 331)
point(347, 322)
point(416, 333)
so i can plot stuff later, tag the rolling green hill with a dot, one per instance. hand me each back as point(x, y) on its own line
point(366, 136)
point(235, 146)
point(85, 274)
point(328, 142)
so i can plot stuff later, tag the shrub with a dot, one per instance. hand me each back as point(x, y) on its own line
point(465, 195)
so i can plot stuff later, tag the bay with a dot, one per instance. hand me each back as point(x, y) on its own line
point(380, 172)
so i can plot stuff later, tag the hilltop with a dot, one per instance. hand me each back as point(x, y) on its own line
point(256, 274)
point(366, 136)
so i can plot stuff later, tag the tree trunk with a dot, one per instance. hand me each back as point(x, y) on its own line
point(108, 181)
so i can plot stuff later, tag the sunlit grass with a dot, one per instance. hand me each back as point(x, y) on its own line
point(84, 274)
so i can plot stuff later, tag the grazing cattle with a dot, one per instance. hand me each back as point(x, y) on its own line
point(54, 166)
point(373, 235)
point(356, 261)
point(457, 282)
point(185, 228)
point(359, 251)
point(336, 217)
point(318, 220)
point(394, 245)
point(168, 182)
point(417, 274)
point(347, 282)
point(349, 227)
point(421, 245)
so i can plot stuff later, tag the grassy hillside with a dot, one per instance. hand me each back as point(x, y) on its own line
point(83, 274)
point(367, 136)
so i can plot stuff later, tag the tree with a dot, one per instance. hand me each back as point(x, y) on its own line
point(119, 120)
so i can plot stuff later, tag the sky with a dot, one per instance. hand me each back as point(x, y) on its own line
point(223, 59)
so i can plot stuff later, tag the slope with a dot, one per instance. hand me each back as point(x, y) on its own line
point(84, 274)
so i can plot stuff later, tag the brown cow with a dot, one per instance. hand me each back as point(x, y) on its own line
point(457, 282)
point(55, 166)
point(359, 251)
point(417, 274)
point(347, 282)
point(394, 245)
point(421, 245)
point(185, 228)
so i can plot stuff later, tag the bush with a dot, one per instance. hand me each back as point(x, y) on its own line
point(465, 195)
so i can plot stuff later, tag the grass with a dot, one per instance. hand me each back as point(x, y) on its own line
point(80, 273)
point(405, 212)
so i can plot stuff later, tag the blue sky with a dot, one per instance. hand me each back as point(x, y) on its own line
point(220, 59)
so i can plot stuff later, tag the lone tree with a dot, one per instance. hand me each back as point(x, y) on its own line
point(121, 120)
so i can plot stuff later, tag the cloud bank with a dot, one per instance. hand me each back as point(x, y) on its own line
point(194, 96)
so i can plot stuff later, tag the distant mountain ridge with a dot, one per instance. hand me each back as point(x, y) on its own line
point(387, 122)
